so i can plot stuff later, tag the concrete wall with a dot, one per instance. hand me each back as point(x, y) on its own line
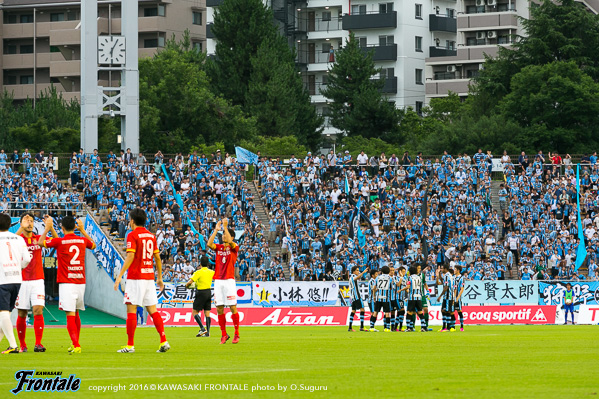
point(99, 292)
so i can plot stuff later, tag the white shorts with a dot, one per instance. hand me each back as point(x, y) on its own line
point(70, 297)
point(32, 293)
point(225, 293)
point(140, 293)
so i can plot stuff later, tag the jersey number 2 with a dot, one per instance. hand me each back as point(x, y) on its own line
point(75, 259)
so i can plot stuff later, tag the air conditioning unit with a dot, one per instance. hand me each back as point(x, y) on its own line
point(492, 34)
point(492, 3)
point(481, 35)
point(480, 3)
point(451, 68)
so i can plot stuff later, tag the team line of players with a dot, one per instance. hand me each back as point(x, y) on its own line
point(390, 290)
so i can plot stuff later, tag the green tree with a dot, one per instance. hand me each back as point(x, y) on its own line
point(180, 108)
point(276, 146)
point(277, 97)
point(240, 27)
point(357, 106)
point(557, 103)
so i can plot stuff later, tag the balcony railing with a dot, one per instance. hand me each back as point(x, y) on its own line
point(444, 75)
point(316, 57)
point(319, 24)
point(442, 52)
point(315, 89)
point(442, 23)
point(370, 20)
point(382, 53)
point(390, 85)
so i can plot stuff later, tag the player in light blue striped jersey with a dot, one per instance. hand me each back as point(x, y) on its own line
point(382, 297)
point(356, 298)
point(447, 296)
point(415, 301)
point(371, 291)
point(459, 283)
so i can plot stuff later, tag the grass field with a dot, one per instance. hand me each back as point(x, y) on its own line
point(490, 362)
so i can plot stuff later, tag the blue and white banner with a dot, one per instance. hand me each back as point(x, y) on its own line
point(500, 291)
point(106, 254)
point(245, 156)
point(289, 293)
point(177, 296)
point(585, 293)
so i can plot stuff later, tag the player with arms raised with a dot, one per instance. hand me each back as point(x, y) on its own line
point(140, 289)
point(225, 291)
point(70, 252)
point(32, 293)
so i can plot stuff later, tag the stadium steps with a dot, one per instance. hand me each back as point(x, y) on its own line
point(264, 219)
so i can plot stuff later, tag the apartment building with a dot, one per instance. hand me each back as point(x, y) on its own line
point(479, 28)
point(40, 40)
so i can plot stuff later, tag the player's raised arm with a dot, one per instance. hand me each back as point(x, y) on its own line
point(48, 225)
point(210, 243)
point(226, 234)
point(81, 227)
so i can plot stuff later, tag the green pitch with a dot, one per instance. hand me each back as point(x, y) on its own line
point(502, 362)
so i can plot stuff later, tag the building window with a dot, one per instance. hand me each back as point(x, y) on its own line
point(10, 80)
point(10, 18)
point(385, 8)
point(450, 12)
point(419, 76)
point(418, 44)
point(56, 17)
point(71, 16)
point(418, 11)
point(54, 49)
point(26, 79)
point(197, 46)
point(326, 15)
point(387, 73)
point(363, 41)
point(27, 18)
point(326, 47)
point(358, 9)
point(325, 80)
point(419, 107)
point(10, 49)
point(197, 18)
point(150, 43)
point(385, 40)
point(157, 11)
point(26, 48)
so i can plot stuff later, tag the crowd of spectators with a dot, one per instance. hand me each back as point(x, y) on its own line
point(331, 212)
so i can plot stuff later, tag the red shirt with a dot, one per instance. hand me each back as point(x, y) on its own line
point(70, 252)
point(143, 244)
point(35, 269)
point(224, 267)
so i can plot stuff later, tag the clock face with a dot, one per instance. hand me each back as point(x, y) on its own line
point(111, 50)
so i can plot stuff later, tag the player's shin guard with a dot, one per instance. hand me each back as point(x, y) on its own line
point(72, 329)
point(159, 324)
point(452, 320)
point(78, 324)
point(387, 322)
point(351, 318)
point(461, 318)
point(424, 320)
point(131, 325)
point(222, 322)
point(208, 322)
point(362, 319)
point(22, 329)
point(38, 327)
point(235, 318)
point(444, 321)
point(198, 320)
point(401, 317)
point(372, 321)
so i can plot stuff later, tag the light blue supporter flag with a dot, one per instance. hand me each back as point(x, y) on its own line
point(581, 252)
point(245, 157)
point(346, 186)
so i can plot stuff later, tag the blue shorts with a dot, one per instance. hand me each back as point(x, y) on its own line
point(569, 308)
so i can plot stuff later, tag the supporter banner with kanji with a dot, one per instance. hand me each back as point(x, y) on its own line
point(105, 252)
point(301, 316)
point(176, 295)
point(501, 291)
point(290, 293)
point(585, 293)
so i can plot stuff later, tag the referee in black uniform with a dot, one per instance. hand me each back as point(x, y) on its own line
point(202, 279)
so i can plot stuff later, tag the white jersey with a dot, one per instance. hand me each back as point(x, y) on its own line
point(14, 256)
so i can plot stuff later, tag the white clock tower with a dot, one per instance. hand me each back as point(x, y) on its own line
point(109, 53)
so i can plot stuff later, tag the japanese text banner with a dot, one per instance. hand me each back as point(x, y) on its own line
point(502, 291)
point(289, 293)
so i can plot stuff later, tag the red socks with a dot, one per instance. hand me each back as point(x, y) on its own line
point(78, 324)
point(222, 322)
point(72, 329)
point(235, 318)
point(157, 319)
point(21, 329)
point(38, 327)
point(131, 325)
